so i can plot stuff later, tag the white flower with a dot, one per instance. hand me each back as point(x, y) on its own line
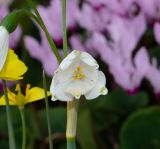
point(4, 43)
point(78, 75)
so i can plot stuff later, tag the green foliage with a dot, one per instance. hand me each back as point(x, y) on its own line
point(58, 119)
point(142, 130)
point(108, 110)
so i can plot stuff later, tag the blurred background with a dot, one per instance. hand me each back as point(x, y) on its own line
point(124, 37)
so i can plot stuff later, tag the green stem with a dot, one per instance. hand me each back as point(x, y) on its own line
point(47, 112)
point(12, 144)
point(48, 36)
point(72, 113)
point(71, 143)
point(65, 48)
point(23, 128)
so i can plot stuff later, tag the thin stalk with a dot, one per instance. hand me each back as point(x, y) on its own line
point(48, 36)
point(23, 128)
point(12, 144)
point(47, 112)
point(72, 114)
point(64, 28)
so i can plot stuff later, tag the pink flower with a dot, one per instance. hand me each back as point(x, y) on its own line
point(157, 32)
point(15, 36)
point(92, 19)
point(127, 73)
point(125, 34)
point(42, 52)
point(150, 8)
point(76, 42)
point(52, 16)
point(153, 75)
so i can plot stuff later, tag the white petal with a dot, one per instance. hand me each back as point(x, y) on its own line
point(68, 60)
point(99, 89)
point(4, 41)
point(57, 90)
point(78, 87)
point(88, 59)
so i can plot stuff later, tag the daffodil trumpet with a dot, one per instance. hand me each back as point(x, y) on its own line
point(20, 100)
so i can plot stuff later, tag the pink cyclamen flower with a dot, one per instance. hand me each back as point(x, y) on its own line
point(52, 17)
point(125, 34)
point(92, 19)
point(127, 73)
point(42, 52)
point(150, 8)
point(15, 36)
point(157, 32)
point(153, 75)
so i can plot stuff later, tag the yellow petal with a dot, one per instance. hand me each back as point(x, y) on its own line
point(12, 99)
point(13, 68)
point(35, 94)
point(20, 97)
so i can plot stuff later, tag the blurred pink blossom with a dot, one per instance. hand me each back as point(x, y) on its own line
point(53, 21)
point(52, 16)
point(92, 19)
point(157, 32)
point(153, 75)
point(127, 73)
point(15, 36)
point(42, 52)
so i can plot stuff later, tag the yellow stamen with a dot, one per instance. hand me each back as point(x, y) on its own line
point(78, 74)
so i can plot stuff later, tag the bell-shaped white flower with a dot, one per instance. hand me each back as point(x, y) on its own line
point(78, 75)
point(4, 43)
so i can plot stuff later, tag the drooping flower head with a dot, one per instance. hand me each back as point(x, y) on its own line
point(78, 75)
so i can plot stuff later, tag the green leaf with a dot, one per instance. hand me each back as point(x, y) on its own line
point(32, 133)
point(107, 110)
point(142, 130)
point(57, 117)
point(120, 102)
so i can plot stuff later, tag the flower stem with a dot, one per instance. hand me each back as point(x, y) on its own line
point(71, 143)
point(48, 36)
point(65, 48)
point(47, 112)
point(72, 112)
point(12, 144)
point(23, 128)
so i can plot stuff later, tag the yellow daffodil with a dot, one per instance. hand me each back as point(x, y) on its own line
point(13, 68)
point(19, 99)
